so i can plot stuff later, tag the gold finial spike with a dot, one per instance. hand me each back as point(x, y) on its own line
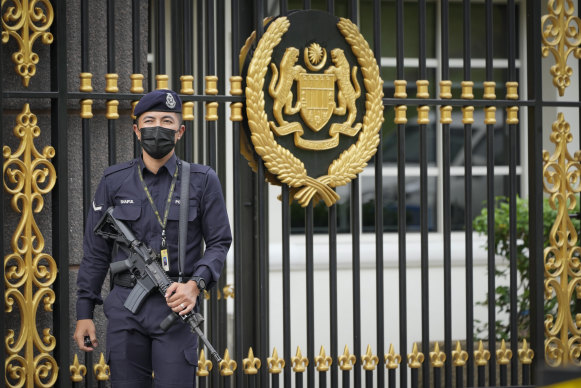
point(77, 370)
point(468, 115)
point(369, 360)
point(503, 354)
point(512, 90)
point(422, 86)
point(236, 111)
point(211, 111)
point(459, 356)
point(86, 82)
point(102, 370)
point(236, 85)
point(323, 361)
point(446, 114)
point(489, 92)
point(187, 84)
point(227, 365)
point(446, 89)
point(415, 358)
point(512, 115)
point(112, 112)
point(111, 83)
point(467, 90)
point(437, 357)
point(136, 83)
point(400, 89)
point(86, 109)
point(162, 81)
point(251, 364)
point(299, 362)
point(481, 356)
point(423, 114)
point(275, 364)
point(204, 365)
point(400, 114)
point(211, 84)
point(490, 115)
point(347, 360)
point(188, 110)
point(525, 354)
point(392, 360)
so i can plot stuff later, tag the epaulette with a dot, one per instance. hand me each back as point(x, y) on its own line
point(198, 168)
point(119, 167)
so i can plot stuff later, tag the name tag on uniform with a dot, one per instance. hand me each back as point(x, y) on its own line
point(164, 260)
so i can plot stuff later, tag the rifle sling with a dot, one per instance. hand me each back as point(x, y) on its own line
point(183, 222)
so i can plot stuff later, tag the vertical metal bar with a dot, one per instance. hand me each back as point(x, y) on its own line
point(331, 7)
point(274, 380)
point(236, 223)
point(112, 141)
point(503, 374)
point(438, 377)
point(379, 211)
point(60, 216)
point(299, 380)
point(356, 253)
point(423, 203)
point(310, 294)
point(86, 147)
point(160, 46)
point(481, 375)
point(2, 213)
point(468, 203)
point(283, 4)
point(513, 147)
point(188, 39)
point(535, 147)
point(353, 11)
point(136, 47)
point(200, 53)
point(346, 379)
point(369, 378)
point(446, 202)
point(415, 377)
point(401, 200)
point(460, 378)
point(286, 291)
point(526, 374)
point(490, 205)
point(306, 4)
point(322, 379)
point(333, 292)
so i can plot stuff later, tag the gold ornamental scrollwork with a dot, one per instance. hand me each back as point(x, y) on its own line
point(562, 177)
point(279, 160)
point(26, 21)
point(29, 273)
point(561, 36)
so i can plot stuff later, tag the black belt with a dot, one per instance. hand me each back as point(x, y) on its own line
point(125, 279)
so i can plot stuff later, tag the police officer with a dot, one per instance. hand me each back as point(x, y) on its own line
point(146, 195)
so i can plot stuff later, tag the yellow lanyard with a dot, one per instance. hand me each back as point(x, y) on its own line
point(167, 203)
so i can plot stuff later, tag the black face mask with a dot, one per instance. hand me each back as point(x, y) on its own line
point(157, 141)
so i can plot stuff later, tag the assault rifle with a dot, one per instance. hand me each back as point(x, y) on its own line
point(143, 264)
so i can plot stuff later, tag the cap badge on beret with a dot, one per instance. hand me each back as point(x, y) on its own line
point(170, 102)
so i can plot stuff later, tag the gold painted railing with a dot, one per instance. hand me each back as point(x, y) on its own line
point(346, 361)
point(29, 272)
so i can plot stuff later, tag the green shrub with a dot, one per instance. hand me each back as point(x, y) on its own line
point(502, 249)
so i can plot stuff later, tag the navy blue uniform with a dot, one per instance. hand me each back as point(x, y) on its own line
point(138, 337)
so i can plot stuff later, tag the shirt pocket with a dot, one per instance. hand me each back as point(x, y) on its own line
point(174, 211)
point(127, 211)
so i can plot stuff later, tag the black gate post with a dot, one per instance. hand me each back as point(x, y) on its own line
point(535, 145)
point(60, 230)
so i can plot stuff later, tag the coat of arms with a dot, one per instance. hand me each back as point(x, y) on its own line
point(325, 102)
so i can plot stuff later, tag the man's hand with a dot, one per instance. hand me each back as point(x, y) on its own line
point(181, 297)
point(86, 327)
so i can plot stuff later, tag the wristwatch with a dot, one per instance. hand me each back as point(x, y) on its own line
point(200, 282)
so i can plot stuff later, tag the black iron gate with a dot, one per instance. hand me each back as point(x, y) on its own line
point(459, 64)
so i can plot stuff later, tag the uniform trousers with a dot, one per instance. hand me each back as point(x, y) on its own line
point(139, 353)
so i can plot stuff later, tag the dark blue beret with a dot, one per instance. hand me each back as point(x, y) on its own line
point(162, 100)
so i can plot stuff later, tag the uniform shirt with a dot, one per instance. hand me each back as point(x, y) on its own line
point(121, 187)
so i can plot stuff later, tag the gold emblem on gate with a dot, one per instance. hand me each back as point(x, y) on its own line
point(316, 96)
point(320, 113)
